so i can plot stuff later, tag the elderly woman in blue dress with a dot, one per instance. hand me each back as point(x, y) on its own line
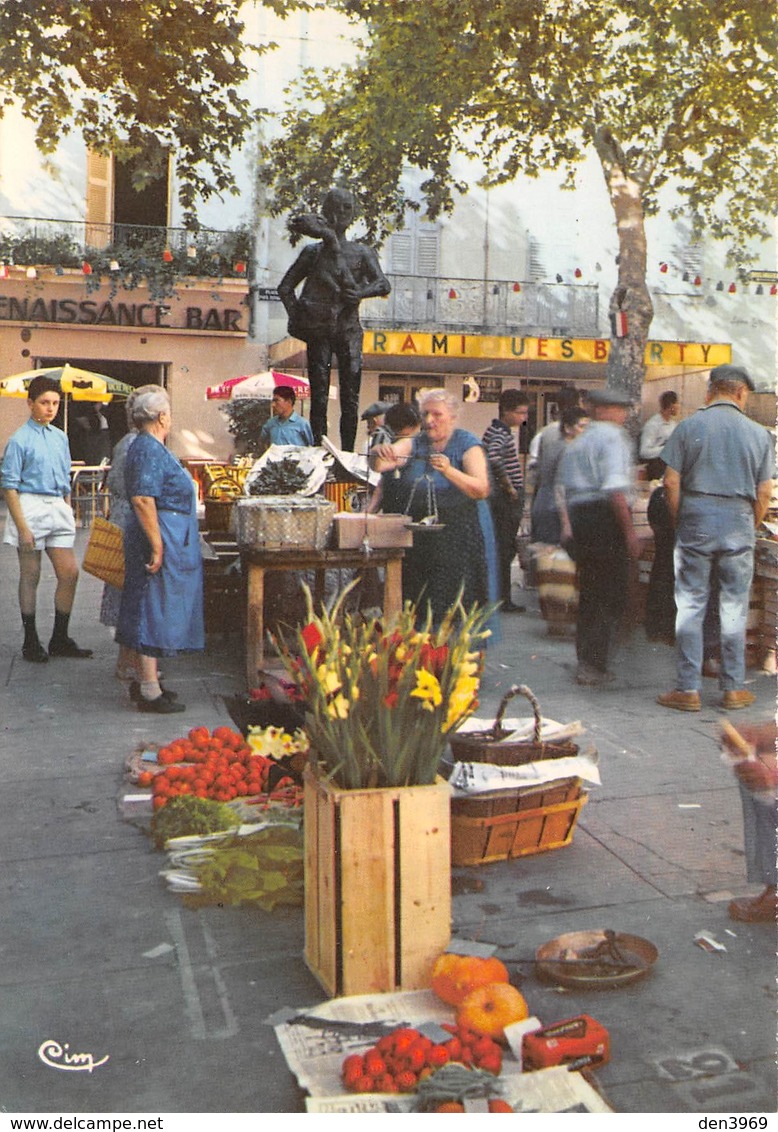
point(444, 469)
point(120, 509)
point(161, 611)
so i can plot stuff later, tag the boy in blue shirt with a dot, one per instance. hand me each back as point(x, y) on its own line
point(35, 476)
point(285, 426)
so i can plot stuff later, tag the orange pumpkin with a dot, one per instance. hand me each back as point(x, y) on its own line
point(489, 1009)
point(454, 976)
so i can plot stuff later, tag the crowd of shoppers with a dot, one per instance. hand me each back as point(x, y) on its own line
point(466, 499)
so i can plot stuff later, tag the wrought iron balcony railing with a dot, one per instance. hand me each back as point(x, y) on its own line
point(485, 306)
point(127, 248)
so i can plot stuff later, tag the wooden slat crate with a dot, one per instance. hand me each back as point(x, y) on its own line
point(505, 824)
point(377, 885)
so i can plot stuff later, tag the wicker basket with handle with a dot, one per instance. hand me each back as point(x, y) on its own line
point(104, 554)
point(489, 746)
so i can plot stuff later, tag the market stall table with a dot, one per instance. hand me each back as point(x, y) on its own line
point(256, 563)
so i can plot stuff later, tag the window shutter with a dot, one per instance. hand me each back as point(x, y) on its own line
point(537, 270)
point(99, 199)
point(402, 245)
point(427, 253)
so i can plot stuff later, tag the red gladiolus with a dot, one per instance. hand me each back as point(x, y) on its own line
point(390, 699)
point(433, 659)
point(312, 637)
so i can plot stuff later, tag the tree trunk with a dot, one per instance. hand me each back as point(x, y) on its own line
point(626, 363)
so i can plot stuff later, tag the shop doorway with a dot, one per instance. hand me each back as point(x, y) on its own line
point(93, 430)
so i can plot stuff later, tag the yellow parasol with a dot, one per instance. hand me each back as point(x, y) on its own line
point(80, 384)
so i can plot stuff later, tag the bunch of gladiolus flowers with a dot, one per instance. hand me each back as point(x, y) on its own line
point(383, 697)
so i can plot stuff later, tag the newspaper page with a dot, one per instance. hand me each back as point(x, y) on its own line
point(523, 727)
point(315, 1043)
point(479, 778)
point(541, 1091)
point(315, 1051)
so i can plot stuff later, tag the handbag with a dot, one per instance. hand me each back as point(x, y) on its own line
point(104, 555)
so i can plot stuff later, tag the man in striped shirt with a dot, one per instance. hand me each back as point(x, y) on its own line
point(507, 497)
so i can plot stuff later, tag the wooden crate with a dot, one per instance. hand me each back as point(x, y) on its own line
point(504, 824)
point(377, 885)
point(223, 598)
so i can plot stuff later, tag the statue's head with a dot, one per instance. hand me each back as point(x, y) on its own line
point(338, 207)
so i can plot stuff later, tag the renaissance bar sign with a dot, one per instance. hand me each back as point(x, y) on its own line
point(521, 348)
point(109, 314)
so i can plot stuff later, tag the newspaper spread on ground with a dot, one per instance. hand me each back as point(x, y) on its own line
point(315, 1052)
point(541, 1091)
point(316, 1041)
point(478, 778)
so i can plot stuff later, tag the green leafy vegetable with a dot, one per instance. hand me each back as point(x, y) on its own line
point(187, 815)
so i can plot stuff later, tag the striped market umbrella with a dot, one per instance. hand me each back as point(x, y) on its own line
point(257, 385)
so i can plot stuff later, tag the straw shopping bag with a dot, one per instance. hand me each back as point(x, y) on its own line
point(104, 555)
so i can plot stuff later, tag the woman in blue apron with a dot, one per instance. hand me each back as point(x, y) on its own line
point(161, 612)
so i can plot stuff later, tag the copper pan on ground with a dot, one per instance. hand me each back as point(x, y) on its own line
point(595, 959)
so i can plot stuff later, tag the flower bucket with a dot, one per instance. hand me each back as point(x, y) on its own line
point(377, 885)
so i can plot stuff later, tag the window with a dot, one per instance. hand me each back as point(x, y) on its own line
point(111, 200)
point(416, 250)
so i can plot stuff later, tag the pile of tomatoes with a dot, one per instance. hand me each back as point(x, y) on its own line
point(216, 764)
point(403, 1058)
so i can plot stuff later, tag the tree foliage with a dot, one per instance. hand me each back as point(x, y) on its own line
point(680, 91)
point(139, 78)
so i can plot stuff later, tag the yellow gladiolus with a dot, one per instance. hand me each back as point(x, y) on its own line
point(338, 708)
point(328, 679)
point(427, 689)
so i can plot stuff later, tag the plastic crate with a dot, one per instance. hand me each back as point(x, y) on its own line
point(504, 824)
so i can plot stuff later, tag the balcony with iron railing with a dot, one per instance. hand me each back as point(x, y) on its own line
point(132, 255)
point(478, 306)
point(130, 252)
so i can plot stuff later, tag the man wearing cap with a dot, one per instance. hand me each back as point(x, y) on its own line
point(596, 474)
point(718, 483)
point(377, 432)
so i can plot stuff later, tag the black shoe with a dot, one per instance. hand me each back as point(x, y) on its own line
point(136, 695)
point(509, 607)
point(161, 706)
point(67, 647)
point(35, 653)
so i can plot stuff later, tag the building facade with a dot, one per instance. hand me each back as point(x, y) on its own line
point(512, 289)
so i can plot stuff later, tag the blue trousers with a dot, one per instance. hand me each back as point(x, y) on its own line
point(759, 828)
point(712, 530)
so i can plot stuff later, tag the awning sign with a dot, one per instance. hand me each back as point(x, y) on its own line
point(398, 343)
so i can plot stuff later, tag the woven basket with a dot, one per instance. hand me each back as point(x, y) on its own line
point(284, 522)
point(489, 746)
point(104, 554)
point(218, 513)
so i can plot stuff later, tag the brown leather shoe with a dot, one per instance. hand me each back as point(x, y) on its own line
point(754, 909)
point(681, 701)
point(739, 698)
